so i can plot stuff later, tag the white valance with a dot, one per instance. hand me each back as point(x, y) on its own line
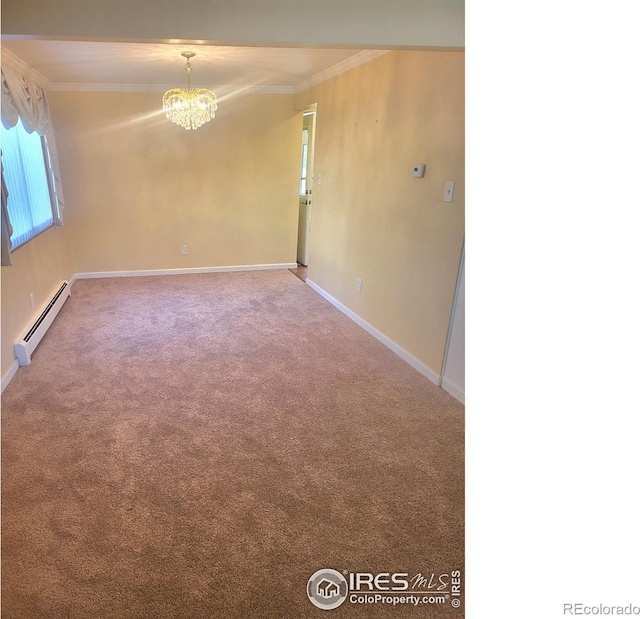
point(7, 230)
point(24, 98)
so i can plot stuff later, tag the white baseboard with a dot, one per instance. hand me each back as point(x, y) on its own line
point(187, 271)
point(6, 379)
point(415, 363)
point(456, 391)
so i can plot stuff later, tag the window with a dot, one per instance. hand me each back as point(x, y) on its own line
point(26, 177)
point(303, 162)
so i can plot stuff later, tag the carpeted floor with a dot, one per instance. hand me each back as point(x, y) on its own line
point(198, 446)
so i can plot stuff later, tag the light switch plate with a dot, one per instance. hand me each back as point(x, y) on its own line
point(448, 191)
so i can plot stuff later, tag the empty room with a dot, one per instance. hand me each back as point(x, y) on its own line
point(233, 309)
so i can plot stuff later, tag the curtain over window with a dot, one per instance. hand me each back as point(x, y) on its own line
point(7, 229)
point(25, 175)
point(25, 101)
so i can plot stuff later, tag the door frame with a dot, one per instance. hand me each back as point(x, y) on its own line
point(309, 115)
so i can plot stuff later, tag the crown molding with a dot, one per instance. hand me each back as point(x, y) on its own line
point(23, 68)
point(341, 67)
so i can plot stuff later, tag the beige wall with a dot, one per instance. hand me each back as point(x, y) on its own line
point(371, 218)
point(138, 187)
point(38, 267)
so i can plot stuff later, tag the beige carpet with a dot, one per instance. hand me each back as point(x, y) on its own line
point(200, 445)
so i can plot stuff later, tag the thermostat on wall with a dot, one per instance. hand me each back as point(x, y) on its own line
point(418, 170)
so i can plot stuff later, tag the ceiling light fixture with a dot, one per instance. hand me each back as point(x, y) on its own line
point(189, 108)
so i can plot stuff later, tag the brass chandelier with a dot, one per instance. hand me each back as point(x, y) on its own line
point(189, 108)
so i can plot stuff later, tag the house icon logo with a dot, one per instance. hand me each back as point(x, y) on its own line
point(327, 589)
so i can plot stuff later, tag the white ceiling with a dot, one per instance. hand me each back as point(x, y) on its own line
point(138, 66)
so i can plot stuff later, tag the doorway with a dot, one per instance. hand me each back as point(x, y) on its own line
point(305, 190)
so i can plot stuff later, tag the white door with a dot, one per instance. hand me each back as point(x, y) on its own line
point(306, 186)
point(304, 225)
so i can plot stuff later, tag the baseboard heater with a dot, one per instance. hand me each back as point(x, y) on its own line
point(25, 347)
